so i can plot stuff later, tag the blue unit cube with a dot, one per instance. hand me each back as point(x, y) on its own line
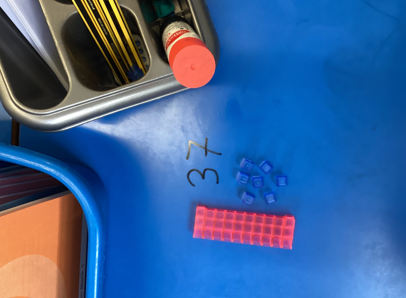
point(269, 197)
point(282, 180)
point(247, 164)
point(257, 181)
point(243, 177)
point(265, 167)
point(247, 198)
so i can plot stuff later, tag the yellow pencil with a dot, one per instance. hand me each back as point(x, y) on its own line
point(95, 39)
point(113, 27)
point(101, 34)
point(113, 36)
point(124, 28)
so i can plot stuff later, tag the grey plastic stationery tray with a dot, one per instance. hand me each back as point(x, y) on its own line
point(92, 91)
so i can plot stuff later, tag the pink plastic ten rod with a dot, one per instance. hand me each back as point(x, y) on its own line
point(244, 227)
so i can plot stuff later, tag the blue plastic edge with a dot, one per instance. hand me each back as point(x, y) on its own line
point(79, 188)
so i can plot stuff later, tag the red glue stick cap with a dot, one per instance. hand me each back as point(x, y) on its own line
point(192, 63)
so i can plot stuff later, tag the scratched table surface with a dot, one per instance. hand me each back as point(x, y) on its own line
point(315, 87)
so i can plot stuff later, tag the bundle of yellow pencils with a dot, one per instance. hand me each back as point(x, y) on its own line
point(106, 23)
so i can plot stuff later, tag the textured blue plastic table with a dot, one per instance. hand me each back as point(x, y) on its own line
point(316, 87)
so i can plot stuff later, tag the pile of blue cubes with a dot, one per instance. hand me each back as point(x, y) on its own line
point(243, 177)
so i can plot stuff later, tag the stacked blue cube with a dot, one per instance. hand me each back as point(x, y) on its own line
point(243, 177)
point(257, 181)
point(269, 197)
point(247, 198)
point(247, 164)
point(265, 167)
point(282, 180)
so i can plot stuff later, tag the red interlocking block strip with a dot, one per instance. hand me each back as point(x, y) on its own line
point(244, 227)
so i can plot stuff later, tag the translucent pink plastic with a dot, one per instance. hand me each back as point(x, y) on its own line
point(244, 227)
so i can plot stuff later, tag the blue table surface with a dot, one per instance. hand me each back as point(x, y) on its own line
point(315, 87)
